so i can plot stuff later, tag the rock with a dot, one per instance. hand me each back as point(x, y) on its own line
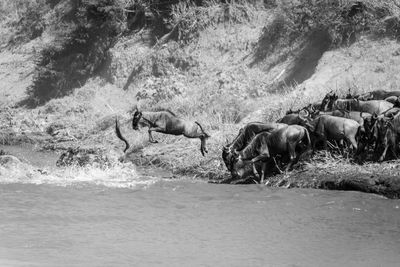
point(54, 128)
point(9, 161)
point(83, 157)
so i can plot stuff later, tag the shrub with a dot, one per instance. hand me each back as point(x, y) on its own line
point(25, 20)
point(79, 50)
point(190, 18)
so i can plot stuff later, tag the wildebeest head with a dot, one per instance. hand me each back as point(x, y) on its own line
point(136, 118)
point(379, 127)
point(239, 167)
point(328, 100)
point(396, 103)
point(227, 157)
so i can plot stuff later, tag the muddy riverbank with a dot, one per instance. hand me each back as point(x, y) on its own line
point(321, 172)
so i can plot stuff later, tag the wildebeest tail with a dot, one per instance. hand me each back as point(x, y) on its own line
point(202, 130)
point(119, 135)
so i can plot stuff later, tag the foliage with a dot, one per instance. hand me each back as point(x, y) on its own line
point(294, 23)
point(25, 18)
point(190, 19)
point(79, 50)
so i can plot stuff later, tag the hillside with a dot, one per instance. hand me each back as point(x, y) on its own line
point(66, 76)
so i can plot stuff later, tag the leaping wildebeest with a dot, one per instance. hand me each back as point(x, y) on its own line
point(267, 145)
point(167, 122)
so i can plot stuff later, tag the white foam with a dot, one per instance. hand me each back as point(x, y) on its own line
point(117, 176)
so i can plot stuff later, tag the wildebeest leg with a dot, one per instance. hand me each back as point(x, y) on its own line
point(292, 155)
point(353, 142)
point(393, 150)
point(151, 140)
point(203, 148)
point(383, 154)
point(156, 129)
point(325, 143)
point(263, 169)
point(277, 166)
point(255, 172)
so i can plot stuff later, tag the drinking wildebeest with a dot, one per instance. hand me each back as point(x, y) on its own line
point(378, 95)
point(168, 123)
point(265, 146)
point(245, 135)
point(326, 127)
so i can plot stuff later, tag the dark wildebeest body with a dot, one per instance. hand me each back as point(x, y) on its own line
point(168, 123)
point(292, 119)
point(387, 131)
point(265, 146)
point(245, 135)
point(378, 95)
point(328, 127)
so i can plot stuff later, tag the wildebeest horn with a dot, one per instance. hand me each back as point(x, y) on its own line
point(307, 113)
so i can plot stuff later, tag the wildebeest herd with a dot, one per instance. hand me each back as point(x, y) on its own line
point(367, 126)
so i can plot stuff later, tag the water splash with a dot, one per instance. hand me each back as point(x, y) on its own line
point(117, 176)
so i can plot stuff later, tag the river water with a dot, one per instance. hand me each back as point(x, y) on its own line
point(116, 217)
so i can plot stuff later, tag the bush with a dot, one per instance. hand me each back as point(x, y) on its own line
point(24, 19)
point(190, 18)
point(343, 22)
point(79, 51)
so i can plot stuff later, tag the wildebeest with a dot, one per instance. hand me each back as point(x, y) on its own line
point(332, 102)
point(353, 115)
point(387, 130)
point(328, 100)
point(265, 146)
point(167, 122)
point(293, 118)
point(245, 135)
point(371, 106)
point(378, 95)
point(326, 127)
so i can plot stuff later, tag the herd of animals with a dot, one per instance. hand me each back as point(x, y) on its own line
point(367, 125)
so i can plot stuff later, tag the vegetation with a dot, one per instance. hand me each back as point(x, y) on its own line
point(222, 63)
